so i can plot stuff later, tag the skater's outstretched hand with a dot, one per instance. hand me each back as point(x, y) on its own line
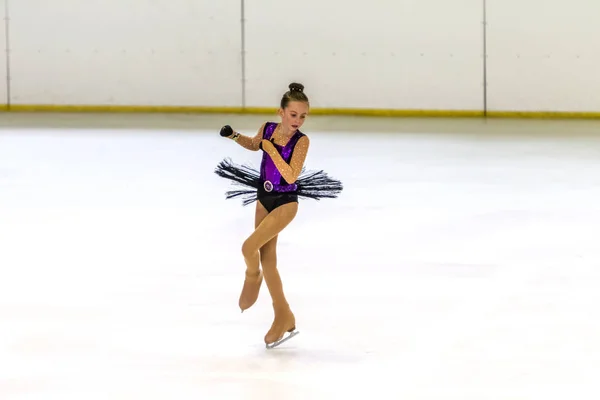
point(247, 142)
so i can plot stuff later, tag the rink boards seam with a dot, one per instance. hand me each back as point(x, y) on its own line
point(366, 112)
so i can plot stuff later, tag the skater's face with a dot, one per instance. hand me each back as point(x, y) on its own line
point(294, 115)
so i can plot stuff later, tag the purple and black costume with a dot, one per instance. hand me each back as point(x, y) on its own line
point(268, 186)
point(269, 174)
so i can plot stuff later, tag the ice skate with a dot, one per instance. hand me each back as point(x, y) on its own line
point(284, 322)
point(250, 290)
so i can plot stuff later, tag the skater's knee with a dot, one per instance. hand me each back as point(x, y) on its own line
point(248, 249)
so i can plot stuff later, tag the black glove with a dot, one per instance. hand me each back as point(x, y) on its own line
point(260, 145)
point(226, 131)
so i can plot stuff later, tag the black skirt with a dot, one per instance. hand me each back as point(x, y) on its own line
point(314, 185)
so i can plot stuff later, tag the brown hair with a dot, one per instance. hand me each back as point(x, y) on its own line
point(296, 93)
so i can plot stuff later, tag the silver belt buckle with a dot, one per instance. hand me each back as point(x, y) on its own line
point(268, 186)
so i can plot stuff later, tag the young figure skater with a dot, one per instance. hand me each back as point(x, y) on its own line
point(276, 187)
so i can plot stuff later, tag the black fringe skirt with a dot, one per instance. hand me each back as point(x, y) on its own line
point(311, 184)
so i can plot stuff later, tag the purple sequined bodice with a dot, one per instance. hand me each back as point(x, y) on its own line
point(270, 176)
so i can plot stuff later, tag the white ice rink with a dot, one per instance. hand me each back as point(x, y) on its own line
point(458, 264)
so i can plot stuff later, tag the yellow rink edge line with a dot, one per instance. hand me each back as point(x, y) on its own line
point(359, 112)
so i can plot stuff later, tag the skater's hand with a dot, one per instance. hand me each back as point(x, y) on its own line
point(266, 146)
point(226, 131)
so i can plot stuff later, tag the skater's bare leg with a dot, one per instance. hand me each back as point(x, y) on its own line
point(268, 259)
point(254, 276)
point(267, 228)
point(284, 318)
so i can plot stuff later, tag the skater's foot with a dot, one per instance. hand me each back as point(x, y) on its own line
point(284, 322)
point(250, 290)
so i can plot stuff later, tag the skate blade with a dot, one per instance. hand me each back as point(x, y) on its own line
point(282, 340)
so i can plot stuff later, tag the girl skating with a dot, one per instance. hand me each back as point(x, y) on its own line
point(276, 188)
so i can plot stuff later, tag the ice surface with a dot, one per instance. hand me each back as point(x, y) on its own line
point(452, 267)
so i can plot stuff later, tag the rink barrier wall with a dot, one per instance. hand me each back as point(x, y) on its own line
point(111, 109)
point(482, 63)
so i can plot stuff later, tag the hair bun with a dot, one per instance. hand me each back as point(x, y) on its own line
point(296, 87)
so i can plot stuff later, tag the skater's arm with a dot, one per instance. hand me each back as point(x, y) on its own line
point(248, 142)
point(291, 171)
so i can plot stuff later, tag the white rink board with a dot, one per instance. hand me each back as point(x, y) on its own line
point(415, 54)
point(411, 55)
point(543, 56)
point(126, 52)
point(3, 57)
